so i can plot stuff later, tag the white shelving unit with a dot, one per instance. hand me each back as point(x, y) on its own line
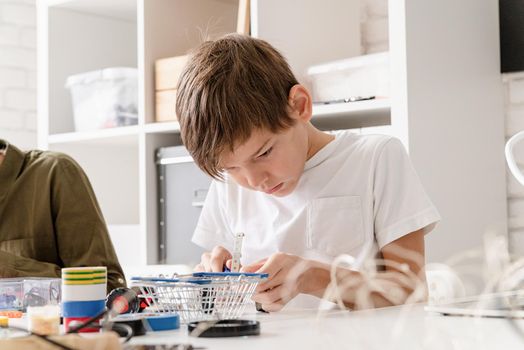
point(76, 36)
point(116, 135)
point(445, 88)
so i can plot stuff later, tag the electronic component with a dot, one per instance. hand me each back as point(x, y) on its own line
point(237, 252)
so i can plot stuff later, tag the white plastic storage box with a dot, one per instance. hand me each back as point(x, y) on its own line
point(104, 98)
point(362, 76)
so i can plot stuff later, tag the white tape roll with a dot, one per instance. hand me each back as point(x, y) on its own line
point(83, 292)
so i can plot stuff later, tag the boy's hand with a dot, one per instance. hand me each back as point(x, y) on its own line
point(286, 276)
point(214, 261)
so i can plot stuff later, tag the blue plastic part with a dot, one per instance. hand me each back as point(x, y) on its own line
point(222, 274)
point(162, 322)
point(172, 280)
point(153, 321)
point(200, 277)
point(155, 279)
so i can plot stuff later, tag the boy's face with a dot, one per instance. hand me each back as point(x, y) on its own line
point(269, 162)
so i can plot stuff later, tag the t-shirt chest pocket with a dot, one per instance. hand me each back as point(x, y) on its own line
point(335, 224)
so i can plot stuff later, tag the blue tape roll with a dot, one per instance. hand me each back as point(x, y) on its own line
point(152, 321)
point(82, 308)
point(162, 322)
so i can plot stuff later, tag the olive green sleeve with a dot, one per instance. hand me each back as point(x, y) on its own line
point(12, 265)
point(80, 229)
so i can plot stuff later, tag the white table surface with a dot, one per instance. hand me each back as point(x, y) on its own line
point(390, 328)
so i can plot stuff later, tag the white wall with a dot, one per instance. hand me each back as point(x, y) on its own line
point(375, 39)
point(514, 100)
point(18, 72)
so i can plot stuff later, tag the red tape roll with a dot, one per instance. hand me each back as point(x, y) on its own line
point(76, 321)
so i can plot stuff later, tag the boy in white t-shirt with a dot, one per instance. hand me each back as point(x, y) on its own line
point(301, 196)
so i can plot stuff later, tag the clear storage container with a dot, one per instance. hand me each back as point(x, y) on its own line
point(20, 293)
point(361, 76)
point(104, 98)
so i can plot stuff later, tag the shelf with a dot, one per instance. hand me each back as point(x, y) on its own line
point(352, 114)
point(350, 108)
point(364, 113)
point(119, 135)
point(119, 9)
point(162, 127)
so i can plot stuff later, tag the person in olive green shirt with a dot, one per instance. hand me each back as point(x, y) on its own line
point(50, 218)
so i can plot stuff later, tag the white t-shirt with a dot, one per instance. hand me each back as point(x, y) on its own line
point(356, 195)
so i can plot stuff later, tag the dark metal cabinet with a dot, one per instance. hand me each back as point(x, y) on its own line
point(182, 190)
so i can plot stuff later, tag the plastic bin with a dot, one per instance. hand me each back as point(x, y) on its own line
point(363, 76)
point(20, 293)
point(104, 98)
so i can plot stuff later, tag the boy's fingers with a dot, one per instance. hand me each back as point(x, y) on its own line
point(277, 306)
point(254, 267)
point(273, 281)
point(268, 297)
point(250, 268)
point(272, 266)
point(274, 299)
point(204, 262)
point(217, 264)
point(228, 263)
point(219, 256)
point(199, 268)
point(271, 301)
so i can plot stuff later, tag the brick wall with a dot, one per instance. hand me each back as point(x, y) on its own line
point(374, 26)
point(18, 72)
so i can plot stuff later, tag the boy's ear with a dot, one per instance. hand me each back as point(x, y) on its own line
point(300, 103)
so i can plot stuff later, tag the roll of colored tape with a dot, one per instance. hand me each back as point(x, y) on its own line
point(83, 282)
point(84, 269)
point(152, 322)
point(71, 322)
point(82, 308)
point(164, 322)
point(87, 273)
point(135, 322)
point(83, 292)
point(84, 275)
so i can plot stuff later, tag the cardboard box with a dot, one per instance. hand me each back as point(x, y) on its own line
point(165, 106)
point(167, 72)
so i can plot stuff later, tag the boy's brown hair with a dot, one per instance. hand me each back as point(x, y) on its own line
point(230, 87)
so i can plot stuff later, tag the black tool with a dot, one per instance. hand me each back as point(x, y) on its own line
point(224, 328)
point(125, 301)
